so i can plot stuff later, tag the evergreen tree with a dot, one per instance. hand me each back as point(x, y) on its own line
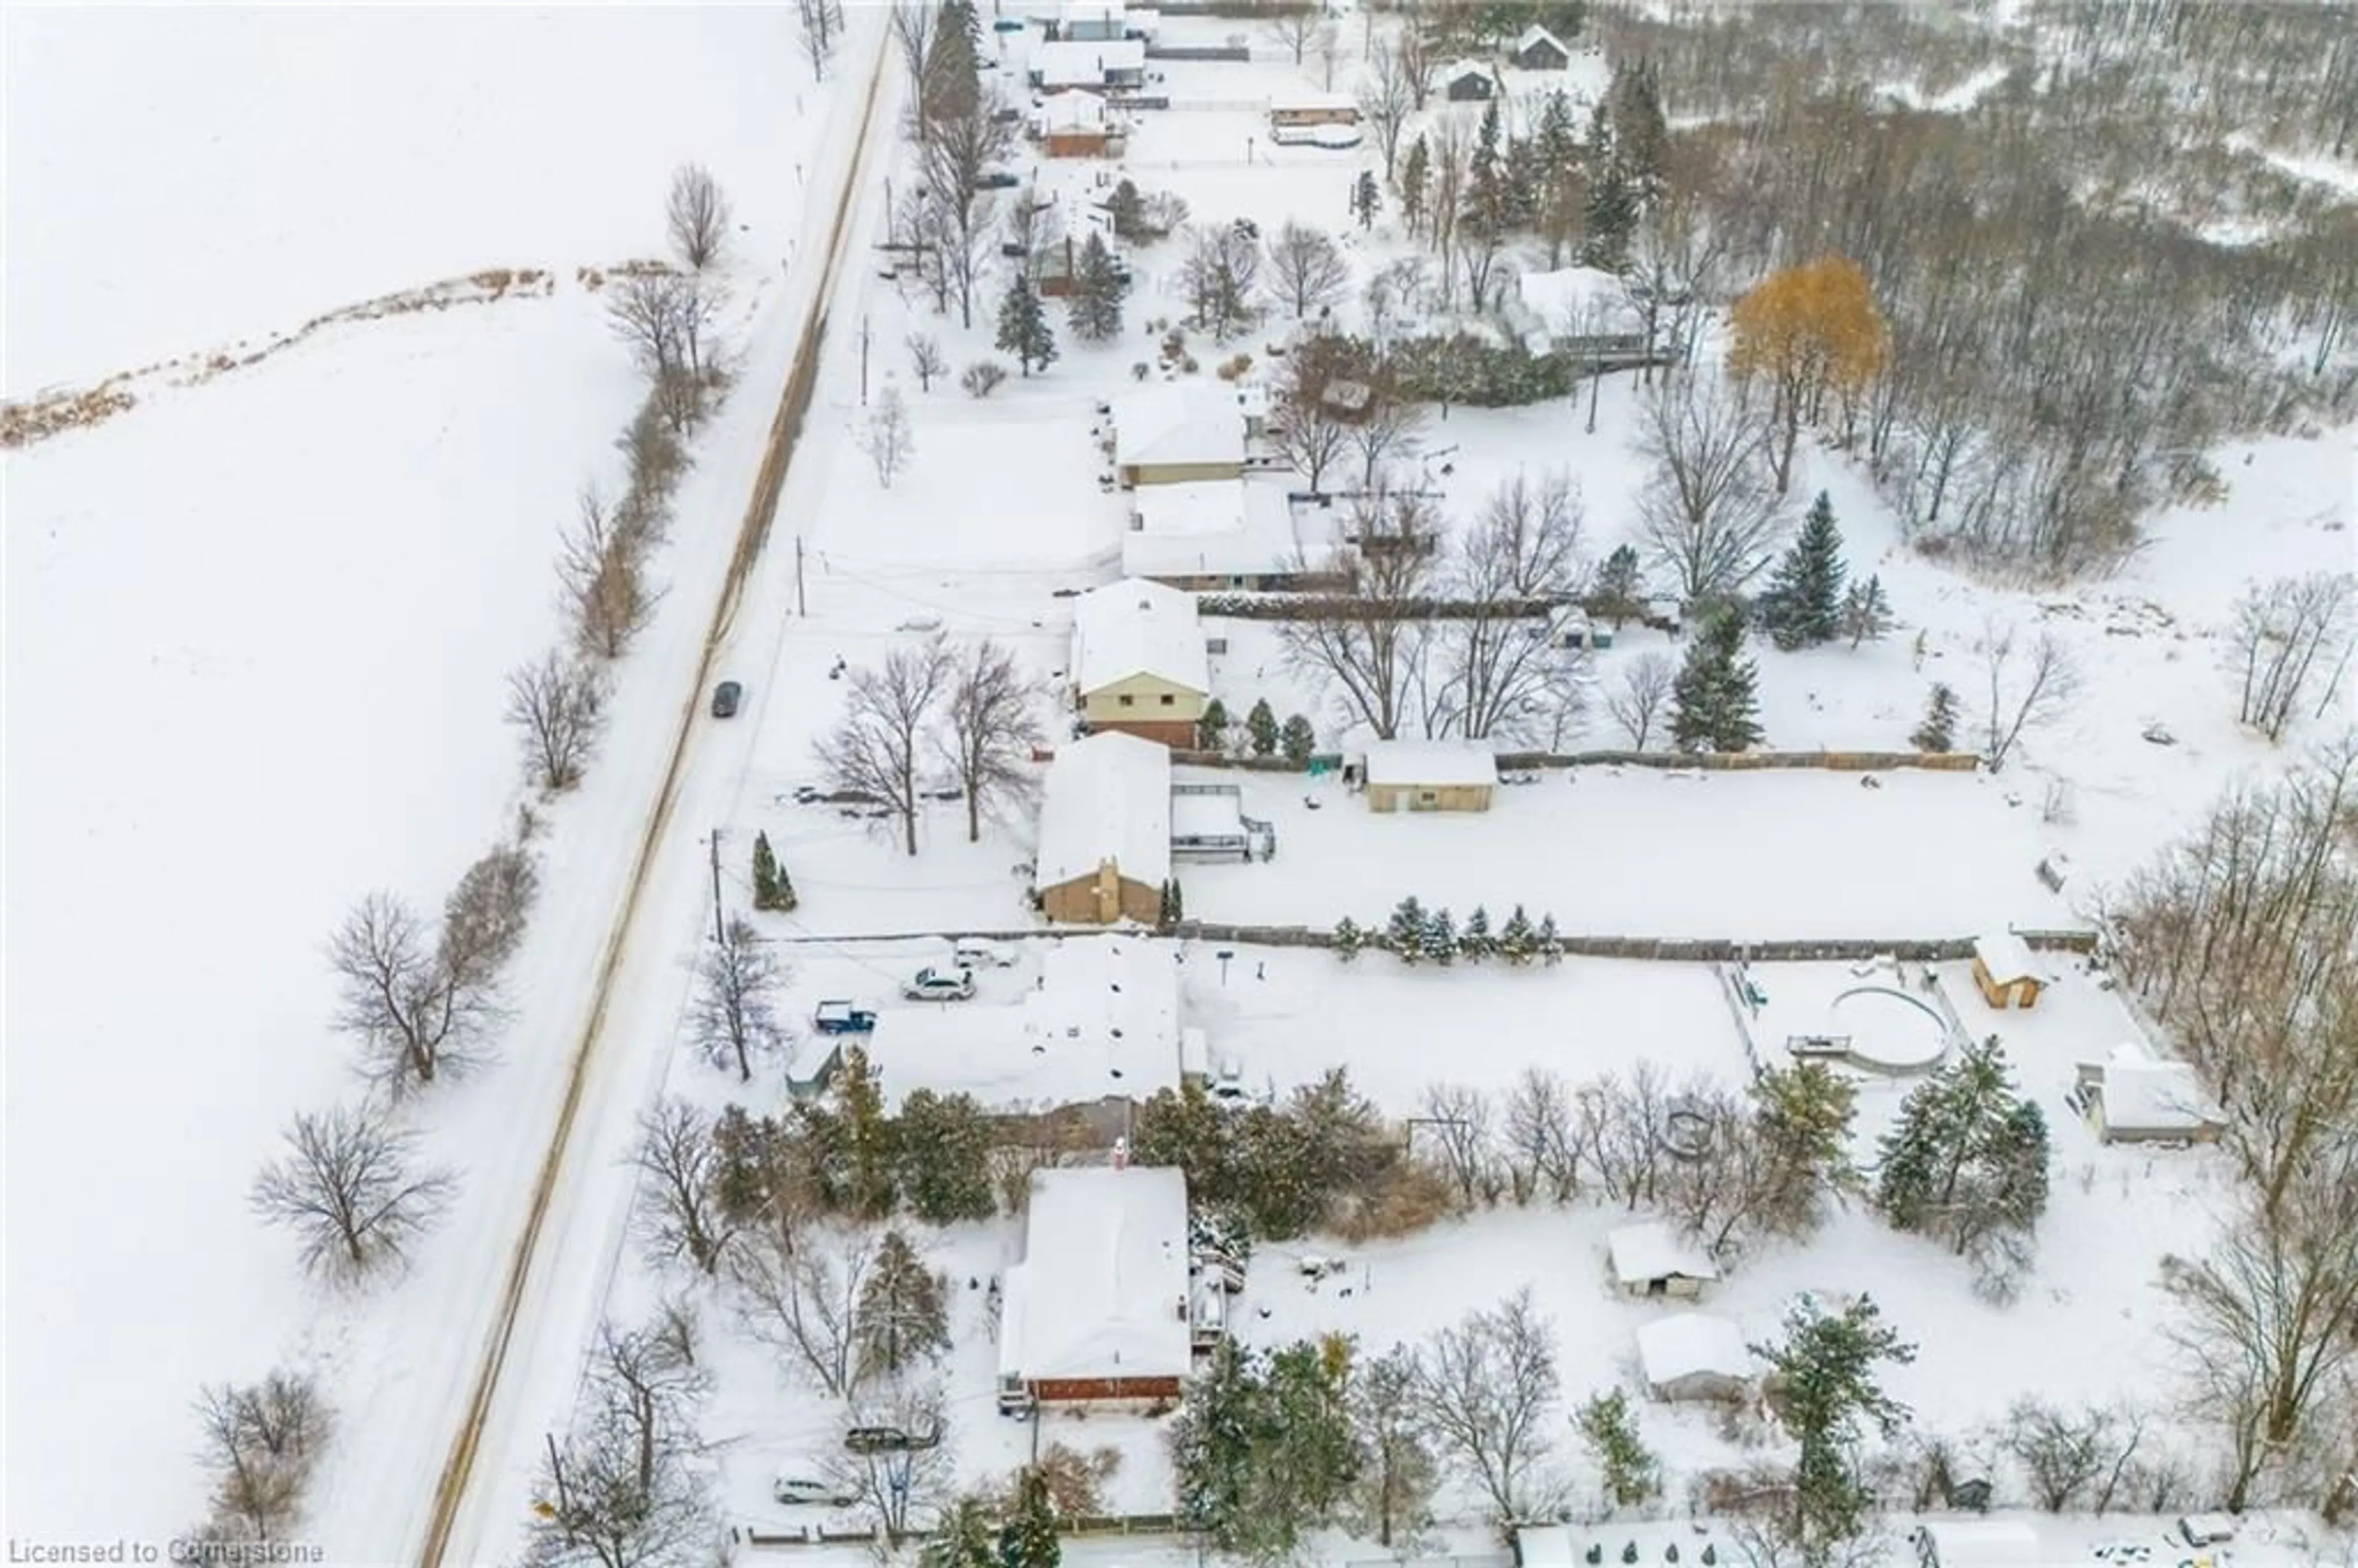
point(859, 1152)
point(1415, 175)
point(1640, 134)
point(1618, 586)
point(1440, 938)
point(1127, 208)
point(765, 874)
point(1517, 941)
point(1550, 945)
point(1866, 613)
point(1475, 942)
point(1094, 309)
point(1213, 727)
point(1404, 933)
point(1349, 939)
point(903, 1316)
point(1297, 740)
point(1029, 1540)
point(1306, 1470)
point(1632, 1475)
point(1178, 901)
point(1023, 326)
point(1264, 1448)
point(1611, 219)
point(1262, 725)
point(1221, 1421)
point(1823, 1371)
point(944, 1145)
point(1366, 199)
point(1713, 705)
point(1803, 605)
point(1967, 1160)
point(964, 1540)
point(1398, 1472)
point(1938, 733)
point(1187, 1129)
point(787, 897)
point(1803, 1114)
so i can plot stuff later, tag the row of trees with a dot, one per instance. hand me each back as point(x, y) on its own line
point(968, 715)
point(1415, 935)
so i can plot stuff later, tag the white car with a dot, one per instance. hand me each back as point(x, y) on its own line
point(974, 952)
point(925, 622)
point(939, 985)
point(798, 1490)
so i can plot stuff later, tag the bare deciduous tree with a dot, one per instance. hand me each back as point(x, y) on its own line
point(878, 746)
point(1307, 432)
point(798, 1290)
point(1386, 102)
point(415, 1014)
point(1397, 1475)
point(733, 1017)
point(2073, 1458)
point(484, 918)
point(818, 24)
point(962, 144)
point(2026, 686)
point(1639, 701)
point(1543, 1138)
point(990, 727)
point(2281, 632)
point(348, 1189)
point(1219, 275)
point(887, 439)
point(649, 311)
point(1295, 30)
point(1455, 1122)
point(1708, 512)
point(259, 1443)
point(557, 707)
point(926, 360)
point(603, 581)
point(628, 1488)
point(1494, 677)
point(697, 215)
point(899, 1492)
point(1420, 63)
point(1621, 1122)
point(1306, 267)
point(1387, 432)
point(1370, 649)
point(683, 1168)
point(1487, 1385)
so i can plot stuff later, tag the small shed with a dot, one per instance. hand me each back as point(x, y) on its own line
point(2005, 971)
point(1695, 1355)
point(2133, 1098)
point(1468, 81)
point(1304, 106)
point(1649, 1259)
point(1538, 50)
point(1430, 775)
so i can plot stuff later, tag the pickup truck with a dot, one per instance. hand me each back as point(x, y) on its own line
point(842, 1018)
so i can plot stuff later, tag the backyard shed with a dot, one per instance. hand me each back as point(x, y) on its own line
point(1695, 1355)
point(1308, 106)
point(1139, 665)
point(1468, 81)
point(1651, 1259)
point(1177, 433)
point(1538, 50)
point(1430, 775)
point(1097, 1309)
point(2005, 971)
point(1104, 831)
point(2133, 1098)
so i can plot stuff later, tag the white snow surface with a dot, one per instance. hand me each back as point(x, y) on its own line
point(1439, 762)
point(1686, 1343)
point(1103, 1290)
point(1108, 797)
point(1181, 423)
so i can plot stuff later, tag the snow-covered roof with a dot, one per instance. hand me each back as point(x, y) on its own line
point(1072, 11)
point(2008, 958)
point(1545, 1546)
point(1138, 628)
point(1072, 109)
point(1078, 62)
point(1456, 69)
point(1217, 527)
point(1652, 1251)
point(1535, 34)
point(1104, 1022)
point(2144, 1095)
point(1102, 1290)
point(1107, 798)
point(1178, 423)
point(1436, 763)
point(1686, 1343)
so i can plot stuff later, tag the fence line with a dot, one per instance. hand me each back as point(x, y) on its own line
point(1653, 950)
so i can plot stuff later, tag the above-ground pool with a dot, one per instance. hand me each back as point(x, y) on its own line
point(1890, 1030)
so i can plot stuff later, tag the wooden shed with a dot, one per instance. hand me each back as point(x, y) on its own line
point(1649, 1262)
point(2006, 972)
point(1430, 775)
point(1538, 50)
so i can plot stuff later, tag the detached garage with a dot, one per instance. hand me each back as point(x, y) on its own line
point(1430, 775)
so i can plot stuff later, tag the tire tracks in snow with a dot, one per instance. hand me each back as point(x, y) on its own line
point(753, 532)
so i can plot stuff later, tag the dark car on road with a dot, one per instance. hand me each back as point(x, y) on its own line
point(726, 698)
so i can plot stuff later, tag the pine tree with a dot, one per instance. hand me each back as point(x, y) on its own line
point(1404, 934)
point(1094, 309)
point(1516, 941)
point(1349, 939)
point(1804, 604)
point(1178, 901)
point(1212, 727)
point(1866, 613)
point(1297, 740)
point(1262, 725)
point(1440, 938)
point(765, 874)
point(864, 1168)
point(1550, 945)
point(1023, 326)
point(1213, 1438)
point(1824, 1371)
point(1803, 1115)
point(785, 891)
point(1632, 1475)
point(1615, 596)
point(1939, 731)
point(1366, 199)
point(1611, 218)
point(1475, 942)
point(903, 1315)
point(1714, 707)
point(1416, 174)
point(1029, 1540)
point(943, 1144)
point(1127, 208)
point(964, 1540)
point(1967, 1159)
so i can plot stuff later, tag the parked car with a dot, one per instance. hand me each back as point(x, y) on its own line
point(928, 621)
point(842, 1018)
point(726, 698)
point(797, 1490)
point(930, 984)
point(997, 179)
point(974, 952)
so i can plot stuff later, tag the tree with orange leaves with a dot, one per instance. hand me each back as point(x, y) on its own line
point(1807, 330)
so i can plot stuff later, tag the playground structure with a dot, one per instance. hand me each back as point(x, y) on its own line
point(1882, 1018)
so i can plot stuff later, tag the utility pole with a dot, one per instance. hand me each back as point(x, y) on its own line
point(863, 361)
point(718, 938)
point(800, 609)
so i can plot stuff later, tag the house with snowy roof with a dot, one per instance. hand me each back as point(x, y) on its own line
point(1139, 665)
point(1693, 1356)
point(1073, 124)
point(1246, 534)
point(1104, 831)
point(2133, 1097)
point(1096, 1311)
point(1467, 81)
point(1177, 433)
point(1651, 1260)
point(1091, 65)
point(1101, 1026)
point(1092, 21)
point(1538, 50)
